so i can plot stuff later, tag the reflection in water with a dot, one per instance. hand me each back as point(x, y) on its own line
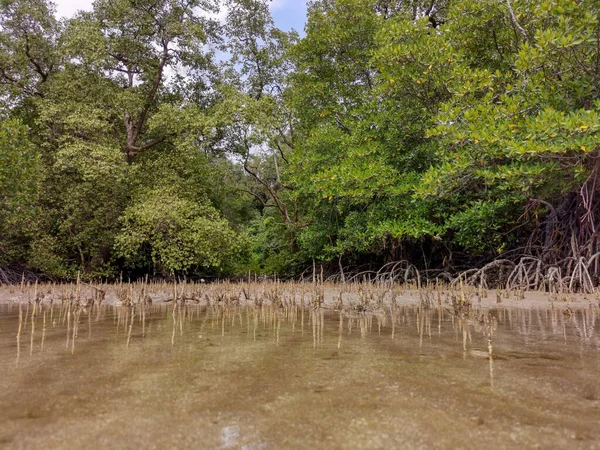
point(250, 377)
point(19, 334)
point(530, 326)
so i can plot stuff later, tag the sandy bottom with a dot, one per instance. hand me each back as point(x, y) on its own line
point(235, 377)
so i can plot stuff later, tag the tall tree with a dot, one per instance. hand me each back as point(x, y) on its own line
point(363, 121)
point(262, 134)
point(28, 53)
point(520, 132)
point(135, 45)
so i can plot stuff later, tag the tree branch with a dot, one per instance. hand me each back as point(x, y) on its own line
point(38, 67)
point(515, 21)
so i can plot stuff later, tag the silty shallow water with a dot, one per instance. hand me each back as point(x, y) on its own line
point(261, 378)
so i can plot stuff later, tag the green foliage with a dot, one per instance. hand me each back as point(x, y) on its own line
point(28, 53)
point(113, 123)
point(521, 123)
point(18, 165)
point(390, 128)
point(179, 234)
point(368, 80)
point(440, 123)
point(19, 171)
point(271, 251)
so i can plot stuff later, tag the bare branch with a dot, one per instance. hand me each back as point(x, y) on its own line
point(515, 21)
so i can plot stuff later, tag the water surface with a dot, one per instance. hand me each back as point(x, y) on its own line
point(269, 378)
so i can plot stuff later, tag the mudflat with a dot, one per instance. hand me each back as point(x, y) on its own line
point(326, 295)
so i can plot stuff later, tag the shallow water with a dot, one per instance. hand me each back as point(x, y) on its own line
point(262, 378)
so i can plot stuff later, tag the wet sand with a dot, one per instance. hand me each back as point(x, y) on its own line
point(249, 293)
point(264, 377)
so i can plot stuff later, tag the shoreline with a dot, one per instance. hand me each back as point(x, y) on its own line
point(244, 294)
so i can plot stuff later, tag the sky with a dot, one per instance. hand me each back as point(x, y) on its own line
point(287, 14)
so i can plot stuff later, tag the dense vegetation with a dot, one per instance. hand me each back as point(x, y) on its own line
point(145, 136)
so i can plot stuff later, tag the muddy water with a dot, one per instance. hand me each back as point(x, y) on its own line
point(192, 377)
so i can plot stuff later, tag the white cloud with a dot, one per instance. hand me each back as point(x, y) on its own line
point(223, 9)
point(68, 8)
